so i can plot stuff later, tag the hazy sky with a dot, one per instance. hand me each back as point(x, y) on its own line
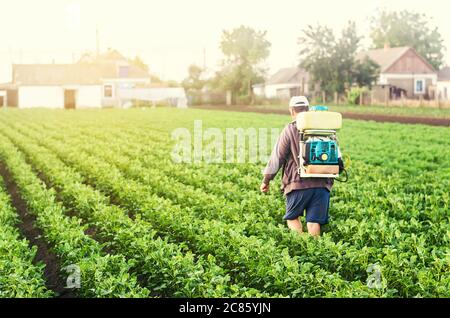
point(172, 34)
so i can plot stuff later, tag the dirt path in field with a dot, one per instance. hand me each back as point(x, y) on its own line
point(34, 236)
point(433, 121)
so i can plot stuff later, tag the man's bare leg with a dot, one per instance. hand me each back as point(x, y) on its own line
point(295, 225)
point(313, 229)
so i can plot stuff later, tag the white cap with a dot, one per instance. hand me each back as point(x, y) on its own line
point(297, 101)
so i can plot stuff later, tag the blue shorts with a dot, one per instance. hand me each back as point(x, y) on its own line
point(315, 201)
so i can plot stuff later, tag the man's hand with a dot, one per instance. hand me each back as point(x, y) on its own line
point(264, 187)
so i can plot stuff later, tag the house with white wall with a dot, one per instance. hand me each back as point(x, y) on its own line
point(284, 84)
point(95, 81)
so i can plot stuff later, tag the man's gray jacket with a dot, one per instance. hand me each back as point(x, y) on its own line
point(285, 156)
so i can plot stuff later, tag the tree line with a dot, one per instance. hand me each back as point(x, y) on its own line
point(330, 59)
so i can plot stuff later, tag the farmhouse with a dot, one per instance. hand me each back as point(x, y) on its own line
point(284, 84)
point(443, 84)
point(403, 73)
point(106, 80)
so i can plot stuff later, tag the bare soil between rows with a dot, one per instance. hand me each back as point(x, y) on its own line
point(432, 121)
point(34, 236)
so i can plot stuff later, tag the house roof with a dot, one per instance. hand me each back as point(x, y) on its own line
point(90, 69)
point(112, 55)
point(290, 75)
point(444, 74)
point(107, 57)
point(384, 57)
point(63, 74)
point(137, 72)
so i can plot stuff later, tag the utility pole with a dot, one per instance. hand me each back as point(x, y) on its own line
point(11, 55)
point(97, 41)
point(204, 59)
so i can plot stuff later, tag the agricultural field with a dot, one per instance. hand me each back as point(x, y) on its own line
point(107, 197)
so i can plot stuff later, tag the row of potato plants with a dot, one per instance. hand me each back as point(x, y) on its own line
point(102, 275)
point(167, 268)
point(410, 263)
point(224, 169)
point(384, 229)
point(202, 203)
point(143, 155)
point(374, 234)
point(227, 170)
point(257, 262)
point(162, 138)
point(20, 276)
point(254, 223)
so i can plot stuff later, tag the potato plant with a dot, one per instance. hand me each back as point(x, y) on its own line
point(115, 170)
point(19, 276)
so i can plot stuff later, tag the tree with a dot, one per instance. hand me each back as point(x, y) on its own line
point(172, 83)
point(316, 51)
point(365, 72)
point(407, 28)
point(194, 82)
point(137, 61)
point(244, 49)
point(155, 79)
point(343, 57)
point(332, 62)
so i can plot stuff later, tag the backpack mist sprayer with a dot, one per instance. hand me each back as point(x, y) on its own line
point(319, 155)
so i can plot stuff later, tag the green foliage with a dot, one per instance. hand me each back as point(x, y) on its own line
point(166, 267)
point(408, 28)
point(19, 277)
point(354, 94)
point(228, 239)
point(139, 62)
point(155, 79)
point(244, 49)
point(244, 45)
point(172, 83)
point(194, 82)
point(365, 72)
point(332, 62)
point(316, 53)
point(100, 274)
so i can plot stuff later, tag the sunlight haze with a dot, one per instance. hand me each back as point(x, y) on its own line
point(171, 35)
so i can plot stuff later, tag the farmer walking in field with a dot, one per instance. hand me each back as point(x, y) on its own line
point(310, 194)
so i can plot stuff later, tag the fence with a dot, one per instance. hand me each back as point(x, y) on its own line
point(370, 98)
point(207, 98)
point(366, 98)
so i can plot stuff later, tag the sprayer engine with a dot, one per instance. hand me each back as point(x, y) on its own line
point(319, 149)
